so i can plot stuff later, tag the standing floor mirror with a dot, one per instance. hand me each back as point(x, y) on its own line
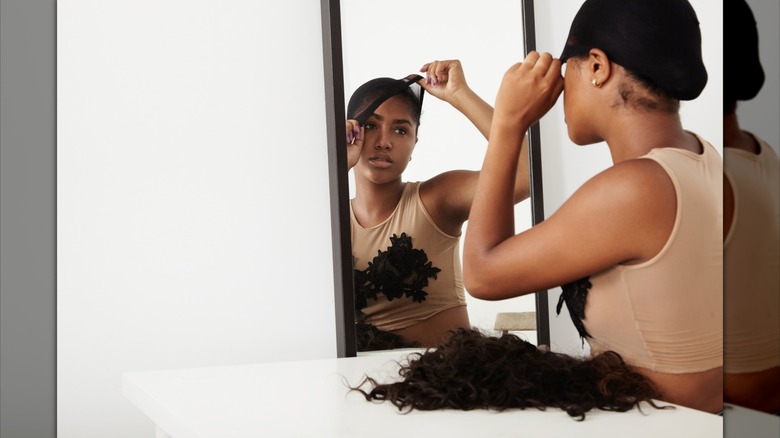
point(365, 39)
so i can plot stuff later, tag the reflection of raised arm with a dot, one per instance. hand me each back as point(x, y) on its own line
point(451, 193)
point(446, 81)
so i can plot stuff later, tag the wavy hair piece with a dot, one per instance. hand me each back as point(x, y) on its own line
point(476, 371)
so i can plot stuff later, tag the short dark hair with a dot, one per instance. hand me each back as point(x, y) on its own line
point(744, 79)
point(657, 40)
point(373, 93)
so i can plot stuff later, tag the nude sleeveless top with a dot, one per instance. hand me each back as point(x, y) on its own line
point(442, 250)
point(666, 314)
point(752, 262)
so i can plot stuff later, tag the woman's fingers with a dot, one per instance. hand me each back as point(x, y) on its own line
point(438, 72)
point(435, 73)
point(530, 88)
point(354, 131)
point(354, 142)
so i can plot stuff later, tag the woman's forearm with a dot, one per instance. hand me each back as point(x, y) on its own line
point(492, 213)
point(479, 112)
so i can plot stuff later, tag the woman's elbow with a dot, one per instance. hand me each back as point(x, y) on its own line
point(521, 196)
point(478, 284)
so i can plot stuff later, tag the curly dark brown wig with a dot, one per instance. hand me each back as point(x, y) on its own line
point(476, 371)
point(370, 338)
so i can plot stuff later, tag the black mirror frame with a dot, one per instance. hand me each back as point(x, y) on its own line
point(339, 182)
point(537, 195)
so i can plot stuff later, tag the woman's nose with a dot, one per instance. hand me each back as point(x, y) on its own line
point(383, 142)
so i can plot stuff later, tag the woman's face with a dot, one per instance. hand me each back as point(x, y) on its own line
point(389, 138)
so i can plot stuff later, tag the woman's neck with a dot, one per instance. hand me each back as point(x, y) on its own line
point(735, 137)
point(375, 202)
point(636, 134)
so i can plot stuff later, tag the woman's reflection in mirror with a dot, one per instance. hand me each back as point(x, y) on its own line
point(406, 234)
point(751, 232)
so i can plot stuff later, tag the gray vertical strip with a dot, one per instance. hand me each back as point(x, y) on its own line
point(27, 219)
point(537, 195)
point(346, 343)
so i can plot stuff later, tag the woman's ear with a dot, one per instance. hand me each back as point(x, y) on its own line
point(599, 67)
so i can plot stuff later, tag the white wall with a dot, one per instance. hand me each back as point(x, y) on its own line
point(179, 122)
point(193, 224)
point(487, 40)
point(760, 115)
point(566, 166)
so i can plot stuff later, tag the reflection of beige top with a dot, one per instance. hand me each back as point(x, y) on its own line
point(666, 314)
point(443, 251)
point(752, 262)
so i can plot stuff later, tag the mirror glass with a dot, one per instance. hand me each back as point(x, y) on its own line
point(395, 39)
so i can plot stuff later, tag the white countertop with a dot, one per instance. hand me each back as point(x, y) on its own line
point(311, 399)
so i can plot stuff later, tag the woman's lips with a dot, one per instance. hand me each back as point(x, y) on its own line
point(382, 162)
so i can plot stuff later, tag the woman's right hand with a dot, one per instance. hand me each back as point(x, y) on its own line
point(444, 79)
point(529, 89)
point(354, 142)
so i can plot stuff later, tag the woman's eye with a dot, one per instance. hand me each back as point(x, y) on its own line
point(401, 131)
point(369, 126)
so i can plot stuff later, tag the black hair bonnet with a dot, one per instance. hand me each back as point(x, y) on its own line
point(369, 96)
point(743, 77)
point(659, 41)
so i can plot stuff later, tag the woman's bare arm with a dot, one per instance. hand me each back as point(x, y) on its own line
point(622, 215)
point(449, 196)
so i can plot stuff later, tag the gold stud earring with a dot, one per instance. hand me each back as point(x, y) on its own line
point(595, 83)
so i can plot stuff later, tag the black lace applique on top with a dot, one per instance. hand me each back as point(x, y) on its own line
point(400, 271)
point(574, 295)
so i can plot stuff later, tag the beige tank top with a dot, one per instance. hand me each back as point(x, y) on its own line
point(442, 250)
point(666, 314)
point(752, 262)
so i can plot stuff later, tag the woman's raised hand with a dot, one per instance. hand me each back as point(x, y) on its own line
point(444, 79)
point(529, 89)
point(354, 142)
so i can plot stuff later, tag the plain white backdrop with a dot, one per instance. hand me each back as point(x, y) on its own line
point(192, 186)
point(192, 193)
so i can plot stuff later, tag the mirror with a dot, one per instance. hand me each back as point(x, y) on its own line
point(362, 43)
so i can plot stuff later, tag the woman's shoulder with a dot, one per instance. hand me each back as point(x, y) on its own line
point(634, 173)
point(448, 185)
point(632, 185)
point(448, 196)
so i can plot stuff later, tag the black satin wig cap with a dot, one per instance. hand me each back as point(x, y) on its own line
point(658, 41)
point(742, 79)
point(367, 98)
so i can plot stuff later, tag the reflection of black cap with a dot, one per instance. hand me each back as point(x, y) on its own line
point(657, 40)
point(742, 77)
point(373, 93)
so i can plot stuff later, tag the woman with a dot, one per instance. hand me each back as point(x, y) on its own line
point(751, 230)
point(406, 235)
point(644, 235)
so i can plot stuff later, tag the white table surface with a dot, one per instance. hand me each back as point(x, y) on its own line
point(741, 422)
point(311, 399)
